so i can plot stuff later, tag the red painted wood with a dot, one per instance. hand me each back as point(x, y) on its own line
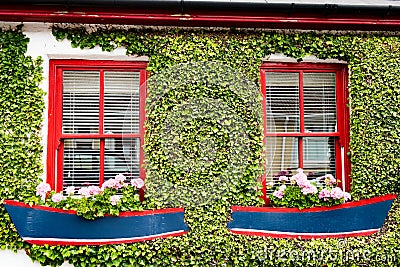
point(317, 209)
point(301, 108)
point(56, 137)
point(95, 135)
point(294, 134)
point(305, 236)
point(101, 103)
point(51, 127)
point(264, 108)
point(346, 126)
point(301, 102)
point(342, 134)
point(58, 144)
point(121, 214)
point(97, 243)
point(341, 121)
point(39, 207)
point(142, 119)
point(101, 126)
point(143, 17)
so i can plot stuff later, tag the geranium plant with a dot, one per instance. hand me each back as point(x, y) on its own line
point(298, 191)
point(115, 195)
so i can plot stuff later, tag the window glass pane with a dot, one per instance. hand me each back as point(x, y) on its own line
point(80, 102)
point(81, 162)
point(282, 96)
point(121, 156)
point(121, 102)
point(319, 156)
point(282, 157)
point(319, 102)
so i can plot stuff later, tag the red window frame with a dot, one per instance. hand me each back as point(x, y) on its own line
point(342, 114)
point(55, 135)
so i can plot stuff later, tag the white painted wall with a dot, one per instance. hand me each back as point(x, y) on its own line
point(42, 43)
point(19, 259)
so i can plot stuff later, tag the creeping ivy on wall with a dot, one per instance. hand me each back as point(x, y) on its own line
point(21, 111)
point(374, 87)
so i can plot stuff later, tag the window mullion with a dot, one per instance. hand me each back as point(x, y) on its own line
point(101, 103)
point(300, 147)
point(57, 141)
point(301, 102)
point(102, 145)
point(60, 166)
point(301, 120)
point(101, 126)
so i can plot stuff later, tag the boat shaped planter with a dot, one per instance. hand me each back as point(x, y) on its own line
point(42, 225)
point(356, 218)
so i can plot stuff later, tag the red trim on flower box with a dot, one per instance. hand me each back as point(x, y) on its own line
point(317, 209)
point(97, 243)
point(121, 214)
point(305, 236)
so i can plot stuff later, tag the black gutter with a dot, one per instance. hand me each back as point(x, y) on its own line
point(226, 6)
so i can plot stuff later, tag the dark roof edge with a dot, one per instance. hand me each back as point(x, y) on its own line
point(184, 6)
point(207, 13)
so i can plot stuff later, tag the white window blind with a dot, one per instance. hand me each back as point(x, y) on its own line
point(84, 159)
point(121, 102)
point(81, 163)
point(282, 98)
point(319, 102)
point(81, 91)
point(283, 104)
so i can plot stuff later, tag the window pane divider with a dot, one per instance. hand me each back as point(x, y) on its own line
point(98, 136)
point(296, 134)
point(301, 107)
point(102, 147)
point(101, 126)
point(101, 103)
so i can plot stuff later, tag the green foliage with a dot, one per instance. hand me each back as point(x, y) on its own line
point(299, 192)
point(114, 196)
point(21, 111)
point(203, 135)
point(374, 87)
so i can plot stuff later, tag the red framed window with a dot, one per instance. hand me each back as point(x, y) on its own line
point(96, 116)
point(306, 120)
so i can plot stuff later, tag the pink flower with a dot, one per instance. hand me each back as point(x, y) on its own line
point(303, 182)
point(70, 190)
point(110, 183)
point(120, 178)
point(57, 197)
point(94, 190)
point(114, 200)
point(336, 193)
point(300, 178)
point(138, 183)
point(270, 184)
point(282, 188)
point(42, 189)
point(84, 191)
point(283, 178)
point(309, 189)
point(278, 194)
point(329, 179)
point(346, 196)
point(325, 194)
